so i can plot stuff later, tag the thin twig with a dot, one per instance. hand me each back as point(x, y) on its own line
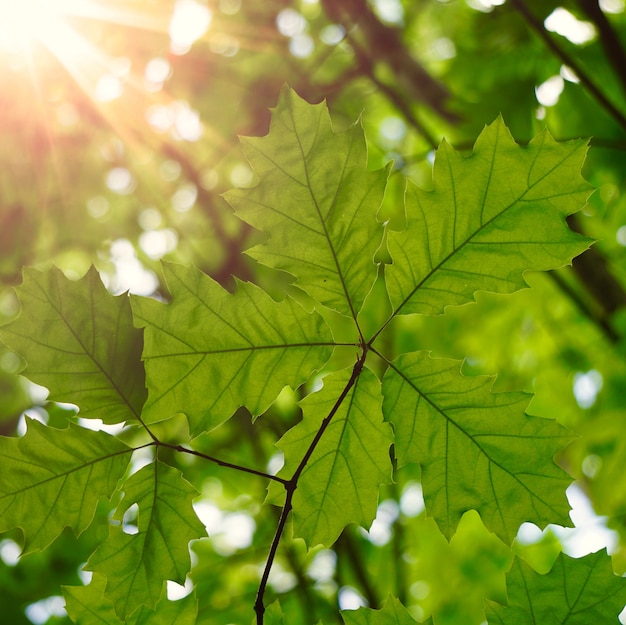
point(259, 606)
point(222, 463)
point(292, 484)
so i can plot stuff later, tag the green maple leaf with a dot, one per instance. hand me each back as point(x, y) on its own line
point(88, 605)
point(317, 203)
point(273, 615)
point(137, 565)
point(340, 482)
point(478, 450)
point(210, 351)
point(575, 592)
point(392, 613)
point(79, 341)
point(490, 217)
point(52, 479)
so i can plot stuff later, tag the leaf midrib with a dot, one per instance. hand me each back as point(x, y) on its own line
point(474, 234)
point(468, 436)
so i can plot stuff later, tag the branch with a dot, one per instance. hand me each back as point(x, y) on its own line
point(353, 555)
point(384, 43)
point(538, 27)
point(221, 463)
point(593, 271)
point(394, 96)
point(292, 484)
point(608, 39)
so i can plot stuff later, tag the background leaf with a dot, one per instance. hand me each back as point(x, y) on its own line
point(477, 449)
point(316, 201)
point(391, 612)
point(52, 479)
point(137, 565)
point(79, 341)
point(341, 480)
point(575, 592)
point(491, 216)
point(232, 349)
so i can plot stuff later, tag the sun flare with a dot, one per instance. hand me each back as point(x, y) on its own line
point(27, 21)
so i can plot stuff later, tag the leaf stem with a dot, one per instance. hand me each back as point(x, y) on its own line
point(292, 484)
point(221, 463)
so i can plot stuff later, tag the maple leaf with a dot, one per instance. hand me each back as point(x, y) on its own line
point(490, 217)
point(79, 341)
point(576, 591)
point(317, 203)
point(52, 479)
point(478, 450)
point(88, 605)
point(274, 614)
point(137, 565)
point(340, 482)
point(210, 351)
point(391, 612)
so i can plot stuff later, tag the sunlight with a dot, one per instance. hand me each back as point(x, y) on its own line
point(24, 22)
point(563, 23)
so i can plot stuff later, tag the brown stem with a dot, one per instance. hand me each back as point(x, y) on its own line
point(221, 463)
point(292, 484)
point(608, 39)
point(568, 60)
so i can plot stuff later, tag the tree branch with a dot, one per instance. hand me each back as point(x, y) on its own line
point(608, 39)
point(353, 555)
point(538, 27)
point(384, 43)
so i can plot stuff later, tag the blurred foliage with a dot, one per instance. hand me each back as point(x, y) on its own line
point(118, 136)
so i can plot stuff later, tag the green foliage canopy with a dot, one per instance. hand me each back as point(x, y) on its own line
point(303, 350)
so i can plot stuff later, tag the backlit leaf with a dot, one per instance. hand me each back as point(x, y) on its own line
point(52, 479)
point(137, 565)
point(491, 216)
point(79, 341)
point(477, 449)
point(392, 613)
point(575, 592)
point(317, 203)
point(87, 605)
point(340, 482)
point(210, 351)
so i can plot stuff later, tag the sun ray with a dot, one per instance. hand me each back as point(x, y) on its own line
point(120, 13)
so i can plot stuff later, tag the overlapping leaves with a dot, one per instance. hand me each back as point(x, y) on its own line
point(137, 565)
point(80, 342)
point(491, 216)
point(339, 484)
point(52, 479)
point(210, 352)
point(478, 450)
point(575, 592)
